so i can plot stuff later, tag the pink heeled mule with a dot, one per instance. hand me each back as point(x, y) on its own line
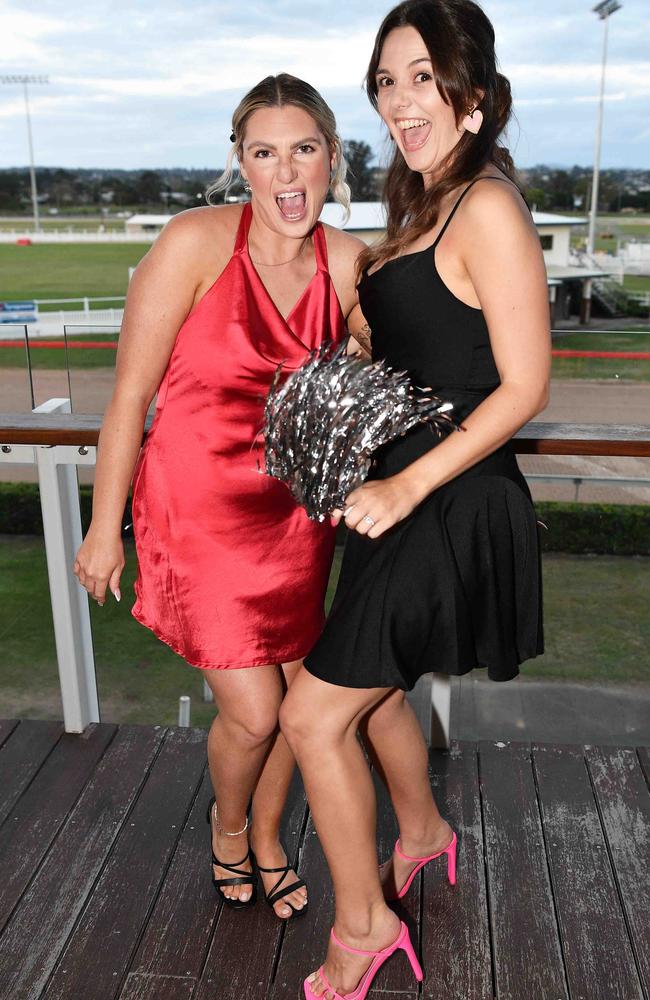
point(449, 850)
point(403, 942)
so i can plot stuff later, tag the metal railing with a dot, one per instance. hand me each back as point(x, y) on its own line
point(58, 441)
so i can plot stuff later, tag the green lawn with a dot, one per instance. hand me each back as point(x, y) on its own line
point(636, 282)
point(631, 340)
point(55, 358)
point(596, 624)
point(67, 270)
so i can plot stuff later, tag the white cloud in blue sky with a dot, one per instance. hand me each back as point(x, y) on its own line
point(145, 84)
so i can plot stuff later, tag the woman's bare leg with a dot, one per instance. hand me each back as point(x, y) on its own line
point(320, 722)
point(269, 799)
point(248, 701)
point(394, 740)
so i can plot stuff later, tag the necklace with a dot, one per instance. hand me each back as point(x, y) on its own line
point(260, 263)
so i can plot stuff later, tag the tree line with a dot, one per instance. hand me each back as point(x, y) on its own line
point(171, 189)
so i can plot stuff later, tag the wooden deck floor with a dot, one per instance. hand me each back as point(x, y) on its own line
point(105, 890)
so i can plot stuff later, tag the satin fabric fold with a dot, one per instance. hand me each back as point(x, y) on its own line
point(231, 572)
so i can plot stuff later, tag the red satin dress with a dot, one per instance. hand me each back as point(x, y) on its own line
point(232, 573)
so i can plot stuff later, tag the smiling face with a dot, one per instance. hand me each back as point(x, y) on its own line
point(286, 161)
point(408, 100)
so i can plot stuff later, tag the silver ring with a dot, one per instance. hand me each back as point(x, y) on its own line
point(369, 520)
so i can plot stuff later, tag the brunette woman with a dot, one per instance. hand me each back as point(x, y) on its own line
point(441, 571)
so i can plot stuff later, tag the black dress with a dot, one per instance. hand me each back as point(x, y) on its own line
point(457, 584)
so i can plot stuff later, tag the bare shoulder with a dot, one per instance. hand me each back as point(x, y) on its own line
point(214, 224)
point(494, 203)
point(342, 246)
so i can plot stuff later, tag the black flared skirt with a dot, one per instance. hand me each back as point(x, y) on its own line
point(453, 587)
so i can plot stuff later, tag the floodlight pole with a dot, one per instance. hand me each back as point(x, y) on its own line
point(604, 11)
point(25, 80)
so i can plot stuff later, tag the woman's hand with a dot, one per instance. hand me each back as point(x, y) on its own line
point(377, 505)
point(99, 564)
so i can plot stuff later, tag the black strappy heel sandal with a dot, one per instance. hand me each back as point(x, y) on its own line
point(277, 893)
point(241, 877)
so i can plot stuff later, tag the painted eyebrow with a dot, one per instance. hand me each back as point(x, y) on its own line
point(413, 63)
point(269, 145)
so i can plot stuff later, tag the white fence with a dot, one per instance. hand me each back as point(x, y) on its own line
point(77, 236)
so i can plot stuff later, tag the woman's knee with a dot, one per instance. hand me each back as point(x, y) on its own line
point(294, 720)
point(251, 727)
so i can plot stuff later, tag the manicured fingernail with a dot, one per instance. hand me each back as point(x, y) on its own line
point(117, 595)
point(244, 897)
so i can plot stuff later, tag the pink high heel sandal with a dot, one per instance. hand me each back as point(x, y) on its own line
point(403, 942)
point(449, 850)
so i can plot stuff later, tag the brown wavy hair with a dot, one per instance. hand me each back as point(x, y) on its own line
point(460, 40)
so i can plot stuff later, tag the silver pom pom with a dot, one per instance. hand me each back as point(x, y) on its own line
point(323, 423)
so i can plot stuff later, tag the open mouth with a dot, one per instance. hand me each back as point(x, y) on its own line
point(414, 131)
point(292, 205)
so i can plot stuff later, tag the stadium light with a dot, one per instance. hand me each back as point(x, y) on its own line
point(604, 11)
point(25, 80)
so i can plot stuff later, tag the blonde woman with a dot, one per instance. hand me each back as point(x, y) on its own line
point(232, 574)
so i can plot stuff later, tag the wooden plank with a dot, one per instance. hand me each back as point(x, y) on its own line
point(126, 889)
point(20, 758)
point(53, 428)
point(547, 438)
point(180, 927)
point(527, 957)
point(57, 894)
point(147, 987)
point(536, 438)
point(246, 942)
point(455, 929)
point(597, 953)
point(624, 806)
point(43, 808)
point(7, 727)
point(643, 753)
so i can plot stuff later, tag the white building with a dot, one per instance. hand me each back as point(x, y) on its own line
point(567, 281)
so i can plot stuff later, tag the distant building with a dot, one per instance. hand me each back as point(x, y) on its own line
point(567, 280)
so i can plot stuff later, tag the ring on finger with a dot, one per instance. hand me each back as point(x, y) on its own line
point(370, 520)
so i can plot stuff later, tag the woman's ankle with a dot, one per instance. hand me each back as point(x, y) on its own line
point(362, 925)
point(419, 837)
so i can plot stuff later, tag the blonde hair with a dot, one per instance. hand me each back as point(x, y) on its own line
point(275, 92)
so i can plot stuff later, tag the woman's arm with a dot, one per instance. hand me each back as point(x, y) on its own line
point(503, 258)
point(160, 295)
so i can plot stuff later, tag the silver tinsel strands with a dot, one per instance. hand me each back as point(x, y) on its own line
point(324, 422)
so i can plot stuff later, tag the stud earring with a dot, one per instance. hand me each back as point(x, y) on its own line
point(473, 121)
point(247, 187)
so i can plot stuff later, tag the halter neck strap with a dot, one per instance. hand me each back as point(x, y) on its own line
point(318, 234)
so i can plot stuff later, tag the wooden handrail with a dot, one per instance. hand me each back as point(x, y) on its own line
point(536, 438)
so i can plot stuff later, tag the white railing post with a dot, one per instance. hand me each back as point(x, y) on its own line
point(70, 611)
point(440, 710)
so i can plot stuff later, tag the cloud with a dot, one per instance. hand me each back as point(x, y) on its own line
point(155, 83)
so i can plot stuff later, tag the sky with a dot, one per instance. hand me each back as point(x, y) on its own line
point(143, 84)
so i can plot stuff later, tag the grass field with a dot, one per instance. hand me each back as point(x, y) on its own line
point(68, 270)
point(631, 340)
point(55, 359)
point(637, 371)
point(636, 283)
point(596, 624)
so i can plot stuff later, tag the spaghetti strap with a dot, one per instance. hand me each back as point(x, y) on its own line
point(460, 198)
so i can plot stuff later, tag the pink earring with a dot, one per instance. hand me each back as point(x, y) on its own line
point(473, 121)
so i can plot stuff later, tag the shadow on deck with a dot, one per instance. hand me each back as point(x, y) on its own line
point(105, 889)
